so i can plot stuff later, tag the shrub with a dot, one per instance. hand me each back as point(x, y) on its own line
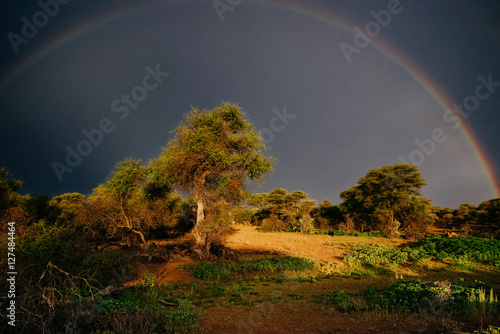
point(342, 299)
point(273, 224)
point(375, 254)
point(183, 320)
point(477, 304)
point(296, 296)
point(470, 248)
point(42, 244)
point(410, 296)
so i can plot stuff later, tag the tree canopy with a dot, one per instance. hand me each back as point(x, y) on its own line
point(385, 194)
point(280, 210)
point(212, 154)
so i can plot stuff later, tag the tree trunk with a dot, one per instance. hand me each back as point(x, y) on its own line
point(200, 217)
point(142, 236)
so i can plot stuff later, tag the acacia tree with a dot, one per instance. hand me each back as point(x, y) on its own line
point(280, 210)
point(134, 199)
point(489, 213)
point(211, 156)
point(384, 194)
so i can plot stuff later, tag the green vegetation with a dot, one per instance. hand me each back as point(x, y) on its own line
point(470, 248)
point(388, 198)
point(342, 299)
point(460, 251)
point(439, 299)
point(341, 233)
point(140, 311)
point(375, 254)
point(225, 270)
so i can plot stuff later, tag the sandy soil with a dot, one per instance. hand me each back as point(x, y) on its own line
point(322, 248)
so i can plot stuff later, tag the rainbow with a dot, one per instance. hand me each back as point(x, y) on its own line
point(302, 9)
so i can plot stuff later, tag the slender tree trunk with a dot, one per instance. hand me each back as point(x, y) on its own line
point(141, 235)
point(130, 227)
point(200, 217)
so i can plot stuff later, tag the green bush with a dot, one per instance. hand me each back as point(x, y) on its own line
point(462, 252)
point(410, 296)
point(477, 303)
point(218, 291)
point(470, 248)
point(342, 299)
point(129, 300)
point(42, 244)
point(183, 320)
point(375, 254)
point(296, 296)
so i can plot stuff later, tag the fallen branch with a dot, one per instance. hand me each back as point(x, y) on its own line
point(167, 303)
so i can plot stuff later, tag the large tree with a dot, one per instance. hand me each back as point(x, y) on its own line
point(212, 155)
point(386, 194)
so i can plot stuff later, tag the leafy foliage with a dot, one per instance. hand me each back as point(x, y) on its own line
point(436, 297)
point(461, 251)
point(280, 210)
point(342, 299)
point(212, 155)
point(133, 202)
point(375, 254)
point(387, 195)
point(471, 248)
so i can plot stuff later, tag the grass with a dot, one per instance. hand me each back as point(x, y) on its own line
point(340, 233)
point(226, 270)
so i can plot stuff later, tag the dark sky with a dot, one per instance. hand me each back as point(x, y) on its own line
point(99, 69)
